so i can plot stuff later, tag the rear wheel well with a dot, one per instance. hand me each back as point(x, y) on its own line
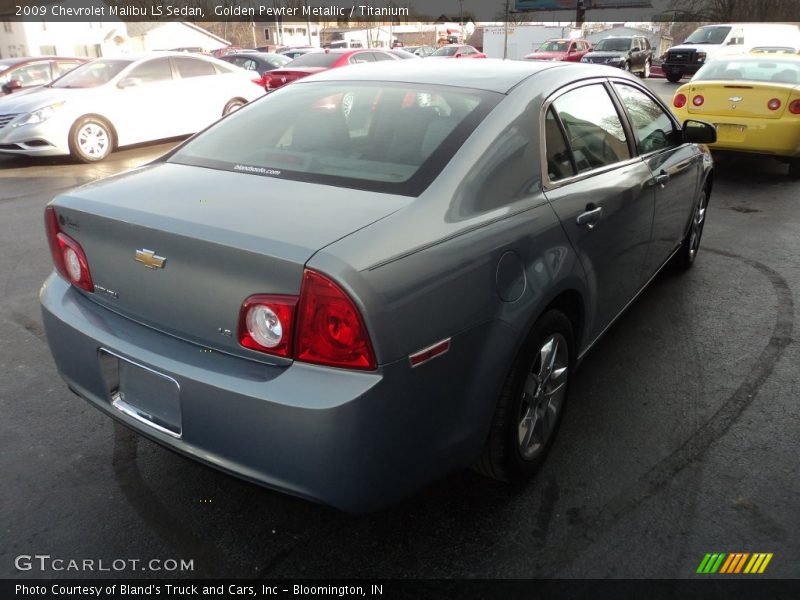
point(570, 302)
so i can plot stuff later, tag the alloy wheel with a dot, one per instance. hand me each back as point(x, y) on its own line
point(543, 396)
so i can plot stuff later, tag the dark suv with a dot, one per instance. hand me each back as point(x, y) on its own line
point(20, 73)
point(629, 53)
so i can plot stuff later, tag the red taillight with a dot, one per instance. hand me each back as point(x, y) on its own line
point(321, 326)
point(698, 100)
point(774, 104)
point(330, 330)
point(679, 101)
point(266, 323)
point(68, 256)
point(794, 107)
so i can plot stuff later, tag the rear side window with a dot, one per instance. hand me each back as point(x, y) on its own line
point(373, 136)
point(191, 67)
point(315, 59)
point(593, 127)
point(153, 71)
point(559, 161)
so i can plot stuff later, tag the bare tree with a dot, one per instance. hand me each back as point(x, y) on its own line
point(726, 11)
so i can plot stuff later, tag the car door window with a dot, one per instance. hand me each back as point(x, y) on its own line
point(192, 67)
point(378, 56)
point(33, 74)
point(153, 71)
point(654, 129)
point(594, 129)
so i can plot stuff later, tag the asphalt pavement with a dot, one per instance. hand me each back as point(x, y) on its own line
point(680, 437)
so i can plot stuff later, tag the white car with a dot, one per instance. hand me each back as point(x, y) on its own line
point(113, 102)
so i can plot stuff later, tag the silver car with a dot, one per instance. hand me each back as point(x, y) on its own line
point(112, 102)
point(369, 279)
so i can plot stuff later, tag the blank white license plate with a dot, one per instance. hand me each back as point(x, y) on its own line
point(142, 393)
point(727, 132)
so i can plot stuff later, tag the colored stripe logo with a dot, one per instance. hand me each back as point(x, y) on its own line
point(734, 563)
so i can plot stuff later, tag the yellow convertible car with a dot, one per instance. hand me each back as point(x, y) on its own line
point(754, 102)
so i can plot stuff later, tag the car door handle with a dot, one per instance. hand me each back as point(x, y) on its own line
point(661, 178)
point(591, 216)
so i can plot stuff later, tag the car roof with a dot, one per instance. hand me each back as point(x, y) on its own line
point(494, 75)
point(10, 62)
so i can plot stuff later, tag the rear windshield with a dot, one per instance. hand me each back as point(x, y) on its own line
point(315, 59)
point(383, 137)
point(613, 44)
point(762, 69)
point(560, 46)
point(446, 51)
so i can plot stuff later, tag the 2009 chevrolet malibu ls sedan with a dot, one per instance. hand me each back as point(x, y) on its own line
point(374, 277)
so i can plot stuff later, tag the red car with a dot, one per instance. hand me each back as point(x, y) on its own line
point(561, 49)
point(314, 62)
point(20, 73)
point(457, 51)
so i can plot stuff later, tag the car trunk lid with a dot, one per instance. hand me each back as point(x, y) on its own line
point(280, 77)
point(179, 248)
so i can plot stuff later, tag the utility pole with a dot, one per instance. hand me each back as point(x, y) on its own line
point(308, 23)
point(505, 32)
point(580, 13)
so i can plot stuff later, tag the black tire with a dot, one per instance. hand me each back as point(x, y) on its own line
point(91, 139)
point(673, 77)
point(794, 168)
point(233, 105)
point(503, 456)
point(690, 245)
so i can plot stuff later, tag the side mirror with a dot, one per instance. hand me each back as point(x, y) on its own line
point(572, 51)
point(698, 132)
point(14, 84)
point(129, 82)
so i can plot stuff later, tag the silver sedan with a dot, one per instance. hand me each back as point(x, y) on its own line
point(373, 277)
point(112, 102)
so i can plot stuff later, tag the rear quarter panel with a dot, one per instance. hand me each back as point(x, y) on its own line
point(476, 258)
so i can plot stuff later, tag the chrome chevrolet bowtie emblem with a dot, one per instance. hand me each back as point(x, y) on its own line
point(734, 100)
point(149, 259)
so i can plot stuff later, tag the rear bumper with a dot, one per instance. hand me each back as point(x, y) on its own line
point(769, 137)
point(357, 441)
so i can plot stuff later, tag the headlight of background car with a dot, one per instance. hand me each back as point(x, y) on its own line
point(701, 57)
point(40, 116)
point(614, 59)
point(584, 59)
